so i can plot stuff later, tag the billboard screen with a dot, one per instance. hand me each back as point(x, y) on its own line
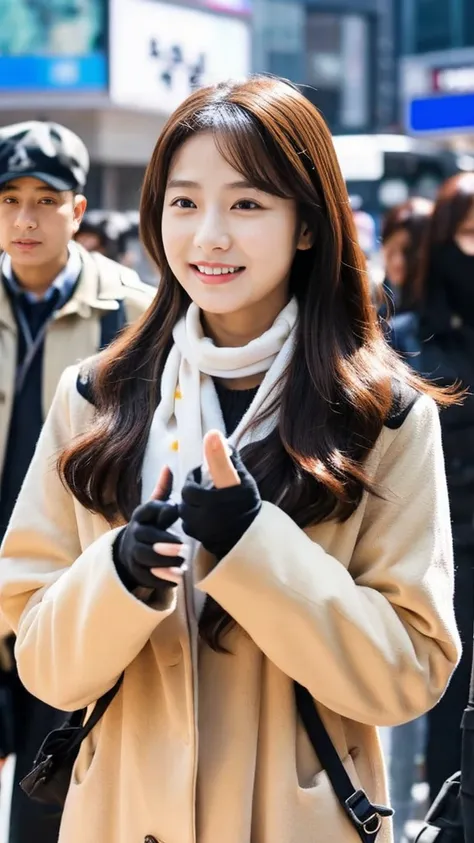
point(171, 50)
point(53, 44)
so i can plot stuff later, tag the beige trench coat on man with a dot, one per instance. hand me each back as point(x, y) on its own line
point(74, 331)
point(360, 613)
point(73, 334)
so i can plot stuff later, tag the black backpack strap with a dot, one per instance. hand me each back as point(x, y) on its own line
point(97, 713)
point(111, 324)
point(404, 397)
point(364, 816)
point(84, 386)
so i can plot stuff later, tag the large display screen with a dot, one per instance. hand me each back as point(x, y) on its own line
point(53, 44)
point(168, 51)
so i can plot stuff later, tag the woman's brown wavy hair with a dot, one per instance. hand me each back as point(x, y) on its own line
point(336, 393)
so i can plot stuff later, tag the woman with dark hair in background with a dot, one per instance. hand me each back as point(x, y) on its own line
point(323, 543)
point(404, 230)
point(403, 233)
point(447, 334)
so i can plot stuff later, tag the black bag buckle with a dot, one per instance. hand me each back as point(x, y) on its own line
point(364, 814)
point(49, 779)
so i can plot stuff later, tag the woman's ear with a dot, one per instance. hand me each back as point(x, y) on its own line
point(306, 237)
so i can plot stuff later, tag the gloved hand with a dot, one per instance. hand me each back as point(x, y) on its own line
point(218, 517)
point(133, 552)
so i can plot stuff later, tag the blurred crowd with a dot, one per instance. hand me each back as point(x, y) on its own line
point(116, 235)
point(426, 304)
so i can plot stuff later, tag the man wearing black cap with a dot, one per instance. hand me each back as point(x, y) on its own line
point(58, 304)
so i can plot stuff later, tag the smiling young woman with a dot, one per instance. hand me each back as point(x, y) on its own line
point(320, 527)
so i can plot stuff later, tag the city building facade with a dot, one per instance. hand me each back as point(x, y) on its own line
point(113, 70)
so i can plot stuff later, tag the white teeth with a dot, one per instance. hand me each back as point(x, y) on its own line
point(221, 270)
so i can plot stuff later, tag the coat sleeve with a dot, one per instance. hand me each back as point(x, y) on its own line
point(77, 626)
point(377, 642)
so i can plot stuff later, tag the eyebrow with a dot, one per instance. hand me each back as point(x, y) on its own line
point(234, 185)
point(10, 186)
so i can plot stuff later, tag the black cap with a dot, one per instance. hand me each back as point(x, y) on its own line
point(45, 151)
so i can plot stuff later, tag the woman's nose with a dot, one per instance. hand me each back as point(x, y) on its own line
point(212, 234)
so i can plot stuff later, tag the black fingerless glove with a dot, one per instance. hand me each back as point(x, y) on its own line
point(218, 518)
point(133, 552)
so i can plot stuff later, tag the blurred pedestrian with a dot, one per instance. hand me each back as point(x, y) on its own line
point(467, 767)
point(404, 231)
point(58, 304)
point(447, 333)
point(322, 530)
point(93, 236)
point(367, 239)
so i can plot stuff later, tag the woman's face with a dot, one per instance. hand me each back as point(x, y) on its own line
point(465, 233)
point(394, 251)
point(229, 245)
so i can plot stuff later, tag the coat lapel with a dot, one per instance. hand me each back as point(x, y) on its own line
point(8, 355)
point(74, 333)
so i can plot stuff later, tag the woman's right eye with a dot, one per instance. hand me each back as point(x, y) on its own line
point(182, 203)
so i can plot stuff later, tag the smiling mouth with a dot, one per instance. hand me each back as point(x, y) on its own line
point(217, 271)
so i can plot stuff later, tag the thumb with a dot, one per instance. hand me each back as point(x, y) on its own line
point(164, 485)
point(217, 457)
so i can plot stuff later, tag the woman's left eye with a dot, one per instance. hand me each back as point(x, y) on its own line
point(246, 205)
point(183, 203)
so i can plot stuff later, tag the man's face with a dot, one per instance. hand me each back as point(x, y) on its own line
point(37, 222)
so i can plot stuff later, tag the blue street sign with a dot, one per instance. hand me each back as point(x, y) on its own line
point(43, 73)
point(451, 112)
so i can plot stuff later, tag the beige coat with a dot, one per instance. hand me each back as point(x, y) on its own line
point(74, 332)
point(361, 613)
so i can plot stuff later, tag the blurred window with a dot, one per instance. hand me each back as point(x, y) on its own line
point(337, 65)
point(432, 23)
point(468, 23)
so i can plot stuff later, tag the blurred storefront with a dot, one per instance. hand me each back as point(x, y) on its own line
point(437, 71)
point(113, 71)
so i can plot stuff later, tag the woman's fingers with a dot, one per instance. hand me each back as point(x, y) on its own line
point(217, 457)
point(174, 575)
point(165, 549)
point(164, 485)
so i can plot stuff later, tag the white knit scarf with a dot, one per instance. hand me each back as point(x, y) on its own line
point(189, 405)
